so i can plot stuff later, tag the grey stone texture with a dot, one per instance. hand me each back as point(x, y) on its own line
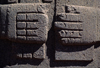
point(77, 32)
point(49, 34)
point(24, 13)
point(77, 24)
point(75, 53)
point(28, 51)
point(12, 1)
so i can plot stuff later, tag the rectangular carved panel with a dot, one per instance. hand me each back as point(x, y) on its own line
point(26, 24)
point(33, 27)
point(77, 24)
point(75, 30)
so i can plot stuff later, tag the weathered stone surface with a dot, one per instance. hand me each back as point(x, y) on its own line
point(29, 51)
point(40, 53)
point(79, 19)
point(3, 21)
point(49, 33)
point(34, 1)
point(25, 66)
point(25, 24)
point(30, 1)
point(76, 32)
point(41, 19)
point(26, 19)
point(47, 0)
point(74, 53)
point(12, 1)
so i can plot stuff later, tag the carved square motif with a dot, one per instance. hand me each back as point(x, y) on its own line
point(75, 31)
point(76, 25)
point(26, 24)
